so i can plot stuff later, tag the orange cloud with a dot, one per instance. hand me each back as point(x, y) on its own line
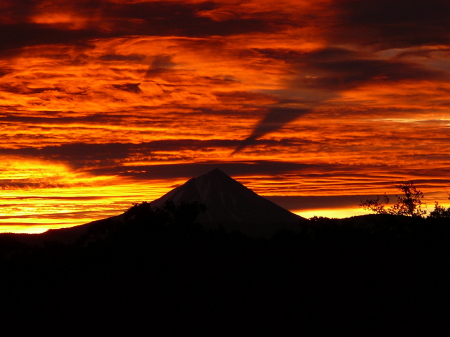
point(127, 92)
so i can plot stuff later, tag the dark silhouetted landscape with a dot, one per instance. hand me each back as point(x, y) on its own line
point(157, 269)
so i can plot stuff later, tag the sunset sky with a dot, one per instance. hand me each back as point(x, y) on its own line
point(314, 104)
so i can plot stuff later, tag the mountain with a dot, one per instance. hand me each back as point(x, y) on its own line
point(230, 203)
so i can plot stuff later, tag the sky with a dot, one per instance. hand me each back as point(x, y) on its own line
point(314, 104)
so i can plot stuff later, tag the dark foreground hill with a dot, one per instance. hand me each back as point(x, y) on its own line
point(161, 273)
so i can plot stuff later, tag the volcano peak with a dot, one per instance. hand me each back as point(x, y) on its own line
point(227, 201)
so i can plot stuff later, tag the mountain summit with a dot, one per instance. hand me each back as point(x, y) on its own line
point(228, 201)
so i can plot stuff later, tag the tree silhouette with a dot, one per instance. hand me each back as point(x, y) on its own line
point(439, 211)
point(169, 213)
point(408, 204)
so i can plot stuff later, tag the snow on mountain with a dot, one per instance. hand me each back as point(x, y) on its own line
point(227, 201)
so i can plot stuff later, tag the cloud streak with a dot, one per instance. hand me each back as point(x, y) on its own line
point(325, 74)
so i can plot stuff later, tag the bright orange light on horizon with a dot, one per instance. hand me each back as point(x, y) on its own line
point(42, 195)
point(335, 213)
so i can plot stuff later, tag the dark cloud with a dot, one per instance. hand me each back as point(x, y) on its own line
point(17, 10)
point(378, 23)
point(107, 159)
point(339, 75)
point(391, 24)
point(75, 153)
point(25, 90)
point(21, 117)
point(130, 87)
point(160, 64)
point(16, 36)
point(337, 69)
point(424, 54)
point(274, 119)
point(170, 171)
point(121, 19)
point(4, 72)
point(178, 19)
point(283, 171)
point(182, 144)
point(15, 184)
point(327, 72)
point(85, 155)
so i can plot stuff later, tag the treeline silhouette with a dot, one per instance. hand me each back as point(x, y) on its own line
point(160, 272)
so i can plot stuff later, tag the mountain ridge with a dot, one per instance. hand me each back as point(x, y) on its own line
point(227, 200)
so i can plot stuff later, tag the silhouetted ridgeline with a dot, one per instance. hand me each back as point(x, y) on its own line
point(159, 269)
